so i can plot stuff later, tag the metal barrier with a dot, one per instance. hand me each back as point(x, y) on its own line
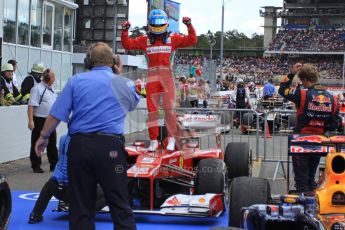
point(266, 131)
point(230, 127)
point(280, 123)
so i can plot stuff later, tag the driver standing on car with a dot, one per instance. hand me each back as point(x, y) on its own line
point(159, 46)
point(317, 113)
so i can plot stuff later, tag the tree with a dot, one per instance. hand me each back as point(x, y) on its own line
point(202, 42)
point(232, 40)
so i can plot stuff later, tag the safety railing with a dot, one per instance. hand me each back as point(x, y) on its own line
point(266, 131)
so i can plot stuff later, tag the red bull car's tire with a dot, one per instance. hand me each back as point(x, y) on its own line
point(5, 203)
point(238, 159)
point(244, 192)
point(210, 176)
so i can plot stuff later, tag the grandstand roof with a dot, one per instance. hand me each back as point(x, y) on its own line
point(274, 7)
point(316, 4)
point(314, 1)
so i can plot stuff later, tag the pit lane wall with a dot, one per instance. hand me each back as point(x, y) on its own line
point(16, 137)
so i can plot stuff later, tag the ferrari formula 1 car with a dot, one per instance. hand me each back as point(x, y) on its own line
point(5, 203)
point(189, 181)
point(324, 210)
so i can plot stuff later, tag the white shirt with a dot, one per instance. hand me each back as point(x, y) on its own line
point(42, 109)
point(15, 80)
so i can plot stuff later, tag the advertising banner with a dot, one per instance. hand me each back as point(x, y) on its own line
point(172, 9)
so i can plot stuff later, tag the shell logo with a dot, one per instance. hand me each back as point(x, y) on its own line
point(202, 200)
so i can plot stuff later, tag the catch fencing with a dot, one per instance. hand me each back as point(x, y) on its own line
point(265, 131)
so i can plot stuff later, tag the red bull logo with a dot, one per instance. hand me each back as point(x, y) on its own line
point(321, 99)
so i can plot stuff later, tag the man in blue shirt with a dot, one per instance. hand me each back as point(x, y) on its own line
point(95, 105)
point(57, 186)
point(269, 90)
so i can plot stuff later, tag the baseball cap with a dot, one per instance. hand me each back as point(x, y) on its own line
point(37, 68)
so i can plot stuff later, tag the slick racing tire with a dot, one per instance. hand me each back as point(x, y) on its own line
point(5, 203)
point(210, 176)
point(244, 192)
point(238, 159)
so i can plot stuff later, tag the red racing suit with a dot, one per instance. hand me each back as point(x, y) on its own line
point(160, 81)
point(317, 109)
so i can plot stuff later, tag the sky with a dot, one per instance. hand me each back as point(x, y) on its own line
point(242, 15)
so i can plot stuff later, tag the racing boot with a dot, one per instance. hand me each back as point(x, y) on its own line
point(171, 144)
point(153, 145)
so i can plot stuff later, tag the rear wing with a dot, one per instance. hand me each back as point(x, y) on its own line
point(272, 103)
point(199, 121)
point(318, 145)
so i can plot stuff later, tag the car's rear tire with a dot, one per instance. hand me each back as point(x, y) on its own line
point(5, 203)
point(244, 192)
point(238, 159)
point(210, 176)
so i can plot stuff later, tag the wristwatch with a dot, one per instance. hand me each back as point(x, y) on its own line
point(43, 135)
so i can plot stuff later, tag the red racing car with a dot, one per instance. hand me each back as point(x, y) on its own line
point(189, 181)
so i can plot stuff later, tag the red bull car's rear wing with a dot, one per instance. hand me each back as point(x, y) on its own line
point(312, 145)
point(317, 145)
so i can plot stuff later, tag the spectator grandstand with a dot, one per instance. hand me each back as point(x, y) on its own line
point(259, 69)
point(313, 39)
point(309, 26)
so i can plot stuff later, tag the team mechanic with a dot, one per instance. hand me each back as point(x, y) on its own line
point(159, 46)
point(317, 113)
point(96, 151)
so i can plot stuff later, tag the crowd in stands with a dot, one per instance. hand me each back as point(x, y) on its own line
point(315, 39)
point(260, 69)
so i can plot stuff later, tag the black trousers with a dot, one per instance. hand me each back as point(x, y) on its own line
point(304, 168)
point(51, 188)
point(99, 159)
point(52, 151)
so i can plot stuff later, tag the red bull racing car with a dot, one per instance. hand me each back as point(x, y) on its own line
point(252, 206)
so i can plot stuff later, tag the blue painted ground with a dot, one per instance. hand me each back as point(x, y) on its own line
point(21, 209)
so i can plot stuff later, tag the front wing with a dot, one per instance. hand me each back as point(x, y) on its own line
point(207, 205)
